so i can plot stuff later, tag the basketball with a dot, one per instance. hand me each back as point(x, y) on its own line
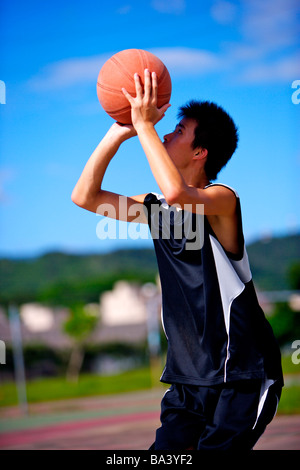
point(117, 73)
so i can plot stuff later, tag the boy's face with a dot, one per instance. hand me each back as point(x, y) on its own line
point(179, 142)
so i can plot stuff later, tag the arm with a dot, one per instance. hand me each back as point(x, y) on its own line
point(88, 192)
point(217, 200)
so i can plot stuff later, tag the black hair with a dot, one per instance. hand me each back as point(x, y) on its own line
point(215, 131)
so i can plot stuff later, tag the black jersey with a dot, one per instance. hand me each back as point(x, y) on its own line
point(215, 328)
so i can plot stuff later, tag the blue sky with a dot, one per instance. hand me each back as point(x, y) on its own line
point(244, 55)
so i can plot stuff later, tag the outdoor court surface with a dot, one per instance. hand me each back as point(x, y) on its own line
point(120, 422)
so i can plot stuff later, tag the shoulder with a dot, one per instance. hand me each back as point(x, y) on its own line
point(219, 200)
point(223, 188)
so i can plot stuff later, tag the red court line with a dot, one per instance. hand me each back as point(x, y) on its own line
point(39, 434)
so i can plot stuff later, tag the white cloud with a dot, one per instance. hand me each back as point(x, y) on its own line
point(242, 52)
point(266, 27)
point(223, 12)
point(269, 32)
point(124, 10)
point(179, 61)
point(176, 7)
point(68, 72)
point(283, 70)
point(272, 23)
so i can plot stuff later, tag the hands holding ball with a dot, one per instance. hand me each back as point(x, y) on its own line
point(144, 105)
point(134, 87)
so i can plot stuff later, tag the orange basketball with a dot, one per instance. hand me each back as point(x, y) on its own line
point(117, 73)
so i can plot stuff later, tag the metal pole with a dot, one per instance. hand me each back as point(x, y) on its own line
point(16, 336)
point(150, 293)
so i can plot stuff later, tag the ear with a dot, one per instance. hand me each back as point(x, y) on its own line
point(200, 153)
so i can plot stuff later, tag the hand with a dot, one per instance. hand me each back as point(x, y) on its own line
point(144, 106)
point(124, 131)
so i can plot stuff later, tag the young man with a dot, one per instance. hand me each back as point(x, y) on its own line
point(223, 361)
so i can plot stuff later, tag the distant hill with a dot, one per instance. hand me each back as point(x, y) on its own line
point(65, 278)
point(271, 260)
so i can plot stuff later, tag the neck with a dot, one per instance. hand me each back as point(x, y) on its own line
point(195, 179)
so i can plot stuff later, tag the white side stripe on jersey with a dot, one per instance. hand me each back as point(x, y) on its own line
point(230, 286)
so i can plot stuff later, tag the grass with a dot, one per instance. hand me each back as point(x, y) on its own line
point(290, 400)
point(288, 366)
point(57, 388)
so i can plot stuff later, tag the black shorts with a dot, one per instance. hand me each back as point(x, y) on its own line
point(223, 417)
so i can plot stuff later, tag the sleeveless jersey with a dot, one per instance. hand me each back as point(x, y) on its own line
point(215, 327)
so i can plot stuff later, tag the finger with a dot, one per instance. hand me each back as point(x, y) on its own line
point(162, 111)
point(154, 88)
point(138, 86)
point(164, 108)
point(147, 85)
point(127, 95)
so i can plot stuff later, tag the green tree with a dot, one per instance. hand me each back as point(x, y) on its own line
point(294, 275)
point(80, 324)
point(285, 323)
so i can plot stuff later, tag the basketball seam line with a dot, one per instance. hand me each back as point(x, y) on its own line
point(115, 90)
point(143, 58)
point(106, 88)
point(113, 59)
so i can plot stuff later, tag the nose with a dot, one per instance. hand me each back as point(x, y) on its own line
point(167, 137)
